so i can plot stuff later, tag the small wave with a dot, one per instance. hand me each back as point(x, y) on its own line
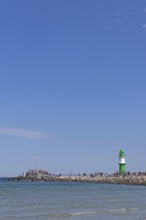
point(123, 210)
point(84, 213)
point(72, 214)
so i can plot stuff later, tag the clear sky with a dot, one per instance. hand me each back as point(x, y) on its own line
point(72, 85)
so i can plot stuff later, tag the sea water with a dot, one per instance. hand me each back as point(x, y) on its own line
point(75, 201)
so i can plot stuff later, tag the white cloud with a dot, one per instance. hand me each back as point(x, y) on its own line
point(119, 21)
point(23, 133)
point(109, 28)
point(144, 26)
point(120, 12)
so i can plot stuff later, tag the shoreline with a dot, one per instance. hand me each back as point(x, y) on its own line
point(118, 179)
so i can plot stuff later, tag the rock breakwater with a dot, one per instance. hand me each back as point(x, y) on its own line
point(112, 179)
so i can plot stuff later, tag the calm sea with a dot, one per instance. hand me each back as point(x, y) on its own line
point(75, 201)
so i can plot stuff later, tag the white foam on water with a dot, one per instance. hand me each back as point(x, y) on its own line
point(84, 213)
point(123, 210)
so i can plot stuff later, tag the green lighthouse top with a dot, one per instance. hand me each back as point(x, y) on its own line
point(121, 153)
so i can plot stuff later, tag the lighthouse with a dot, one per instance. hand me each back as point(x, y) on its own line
point(122, 163)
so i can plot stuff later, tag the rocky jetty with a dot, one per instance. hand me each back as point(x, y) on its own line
point(134, 179)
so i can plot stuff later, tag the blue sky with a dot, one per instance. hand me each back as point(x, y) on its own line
point(72, 85)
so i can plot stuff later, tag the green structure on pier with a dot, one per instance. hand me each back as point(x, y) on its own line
point(122, 163)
